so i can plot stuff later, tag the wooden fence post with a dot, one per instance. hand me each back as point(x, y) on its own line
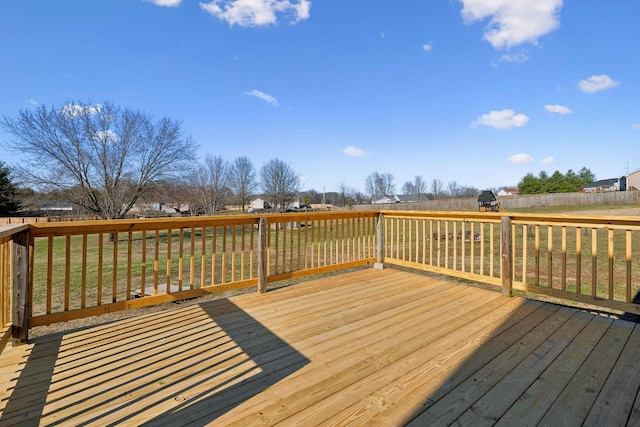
point(262, 255)
point(20, 316)
point(379, 242)
point(506, 253)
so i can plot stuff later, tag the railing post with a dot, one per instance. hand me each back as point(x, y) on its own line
point(262, 255)
point(506, 254)
point(20, 315)
point(379, 242)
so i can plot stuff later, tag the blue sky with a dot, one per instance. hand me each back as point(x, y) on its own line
point(479, 92)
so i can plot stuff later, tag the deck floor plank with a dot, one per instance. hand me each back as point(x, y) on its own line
point(480, 370)
point(272, 360)
point(375, 357)
point(616, 398)
point(576, 400)
point(369, 347)
point(490, 407)
point(426, 362)
point(531, 407)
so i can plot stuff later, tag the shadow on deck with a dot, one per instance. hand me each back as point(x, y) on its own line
point(364, 348)
point(180, 366)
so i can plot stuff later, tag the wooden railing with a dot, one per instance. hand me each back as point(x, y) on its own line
point(586, 259)
point(53, 272)
point(456, 244)
point(87, 268)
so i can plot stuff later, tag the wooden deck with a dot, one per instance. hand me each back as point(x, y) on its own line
point(373, 347)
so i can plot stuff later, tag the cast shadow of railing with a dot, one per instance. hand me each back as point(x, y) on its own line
point(270, 360)
point(28, 397)
point(175, 367)
point(531, 366)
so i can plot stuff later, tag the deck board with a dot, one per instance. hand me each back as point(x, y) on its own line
point(372, 347)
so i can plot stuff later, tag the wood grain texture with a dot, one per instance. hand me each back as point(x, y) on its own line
point(370, 347)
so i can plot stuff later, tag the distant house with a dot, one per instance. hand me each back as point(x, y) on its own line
point(631, 181)
point(603, 186)
point(385, 200)
point(155, 208)
point(509, 191)
point(258, 204)
point(396, 198)
point(54, 207)
point(404, 198)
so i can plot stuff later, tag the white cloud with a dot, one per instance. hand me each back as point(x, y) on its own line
point(427, 47)
point(265, 97)
point(520, 158)
point(597, 83)
point(513, 22)
point(518, 58)
point(503, 119)
point(636, 126)
point(165, 3)
point(107, 136)
point(352, 151)
point(32, 101)
point(75, 110)
point(548, 160)
point(558, 109)
point(255, 13)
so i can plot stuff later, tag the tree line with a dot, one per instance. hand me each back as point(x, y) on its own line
point(105, 159)
point(569, 182)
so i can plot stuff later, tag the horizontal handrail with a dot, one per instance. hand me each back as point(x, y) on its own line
point(464, 245)
point(86, 268)
point(71, 270)
point(584, 258)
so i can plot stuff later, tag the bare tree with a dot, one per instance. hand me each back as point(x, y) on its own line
point(358, 197)
point(243, 180)
point(436, 188)
point(105, 155)
point(468, 191)
point(408, 188)
point(312, 197)
point(453, 189)
point(345, 194)
point(211, 183)
point(280, 183)
point(417, 189)
point(378, 185)
point(175, 195)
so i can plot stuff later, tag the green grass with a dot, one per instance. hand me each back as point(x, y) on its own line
point(223, 261)
point(304, 247)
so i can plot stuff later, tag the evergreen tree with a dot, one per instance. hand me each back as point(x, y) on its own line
point(556, 183)
point(8, 192)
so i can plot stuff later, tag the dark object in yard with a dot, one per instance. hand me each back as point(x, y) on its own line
point(487, 202)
